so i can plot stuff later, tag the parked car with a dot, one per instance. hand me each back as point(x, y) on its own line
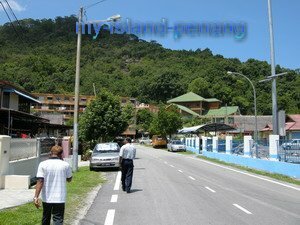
point(159, 141)
point(293, 144)
point(105, 155)
point(176, 145)
point(145, 141)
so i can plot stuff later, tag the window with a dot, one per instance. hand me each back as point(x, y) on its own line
point(67, 99)
point(5, 103)
point(49, 98)
point(41, 98)
point(24, 105)
point(230, 120)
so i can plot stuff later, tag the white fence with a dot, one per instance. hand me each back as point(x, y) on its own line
point(22, 149)
point(22, 156)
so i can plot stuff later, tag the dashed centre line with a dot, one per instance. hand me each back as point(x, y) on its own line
point(180, 171)
point(245, 173)
point(172, 166)
point(114, 198)
point(118, 179)
point(192, 178)
point(109, 220)
point(243, 209)
point(208, 188)
point(165, 162)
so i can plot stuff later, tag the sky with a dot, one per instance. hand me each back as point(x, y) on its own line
point(253, 13)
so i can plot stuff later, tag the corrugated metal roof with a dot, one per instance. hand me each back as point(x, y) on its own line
point(188, 97)
point(207, 128)
point(223, 111)
point(187, 110)
point(191, 97)
point(292, 124)
point(212, 100)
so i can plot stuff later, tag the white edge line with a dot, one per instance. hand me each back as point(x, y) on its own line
point(208, 188)
point(248, 174)
point(109, 220)
point(114, 198)
point(192, 178)
point(118, 180)
point(180, 171)
point(243, 209)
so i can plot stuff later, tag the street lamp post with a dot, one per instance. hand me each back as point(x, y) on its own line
point(255, 109)
point(77, 81)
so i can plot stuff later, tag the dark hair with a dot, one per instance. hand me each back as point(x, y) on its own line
point(128, 139)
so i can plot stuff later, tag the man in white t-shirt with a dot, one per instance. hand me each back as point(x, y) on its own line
point(52, 176)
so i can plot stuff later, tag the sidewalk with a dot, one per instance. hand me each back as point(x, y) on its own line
point(12, 198)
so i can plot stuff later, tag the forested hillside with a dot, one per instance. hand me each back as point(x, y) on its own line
point(41, 58)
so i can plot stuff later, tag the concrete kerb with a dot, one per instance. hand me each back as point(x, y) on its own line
point(89, 200)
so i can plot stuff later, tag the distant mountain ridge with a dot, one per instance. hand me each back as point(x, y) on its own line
point(41, 58)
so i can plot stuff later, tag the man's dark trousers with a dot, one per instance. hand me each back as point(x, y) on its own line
point(127, 173)
point(55, 209)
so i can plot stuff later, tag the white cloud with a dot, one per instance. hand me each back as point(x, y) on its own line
point(13, 4)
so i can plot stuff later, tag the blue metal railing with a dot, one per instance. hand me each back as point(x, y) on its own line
point(289, 151)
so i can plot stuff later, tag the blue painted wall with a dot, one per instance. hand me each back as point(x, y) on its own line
point(289, 169)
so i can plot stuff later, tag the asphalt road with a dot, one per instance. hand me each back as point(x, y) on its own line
point(173, 189)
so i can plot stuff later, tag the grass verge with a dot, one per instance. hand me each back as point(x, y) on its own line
point(186, 153)
point(259, 172)
point(83, 182)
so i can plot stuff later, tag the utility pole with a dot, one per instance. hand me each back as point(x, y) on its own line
point(76, 103)
point(94, 89)
point(274, 95)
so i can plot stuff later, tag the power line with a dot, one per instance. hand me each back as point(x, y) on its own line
point(9, 19)
point(89, 6)
point(13, 13)
point(21, 27)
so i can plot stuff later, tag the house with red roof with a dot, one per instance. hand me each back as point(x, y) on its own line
point(292, 127)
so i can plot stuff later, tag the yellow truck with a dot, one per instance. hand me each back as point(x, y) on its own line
point(159, 141)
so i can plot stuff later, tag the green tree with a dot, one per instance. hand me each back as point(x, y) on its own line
point(103, 119)
point(143, 119)
point(201, 87)
point(164, 86)
point(166, 122)
point(128, 113)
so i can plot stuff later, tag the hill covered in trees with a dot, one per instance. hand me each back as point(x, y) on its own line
point(40, 57)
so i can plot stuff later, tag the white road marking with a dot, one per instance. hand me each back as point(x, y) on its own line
point(172, 166)
point(248, 174)
point(114, 198)
point(118, 180)
point(180, 171)
point(165, 162)
point(243, 209)
point(210, 189)
point(109, 220)
point(192, 178)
